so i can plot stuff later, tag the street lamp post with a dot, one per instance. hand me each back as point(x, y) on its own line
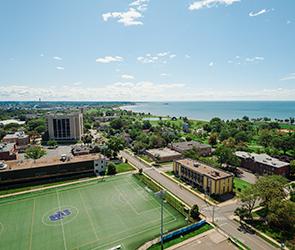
point(161, 194)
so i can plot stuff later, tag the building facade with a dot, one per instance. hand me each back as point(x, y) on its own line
point(20, 139)
point(263, 164)
point(210, 180)
point(65, 127)
point(8, 152)
point(26, 172)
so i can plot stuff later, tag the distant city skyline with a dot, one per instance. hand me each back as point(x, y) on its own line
point(147, 50)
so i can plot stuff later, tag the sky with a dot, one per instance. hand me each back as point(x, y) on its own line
point(147, 50)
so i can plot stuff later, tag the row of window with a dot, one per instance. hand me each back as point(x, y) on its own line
point(61, 128)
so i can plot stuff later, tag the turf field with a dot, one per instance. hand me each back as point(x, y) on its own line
point(91, 215)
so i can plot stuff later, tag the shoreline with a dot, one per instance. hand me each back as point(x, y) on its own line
point(225, 110)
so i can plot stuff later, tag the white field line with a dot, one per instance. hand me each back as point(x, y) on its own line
point(132, 207)
point(133, 229)
point(61, 222)
point(32, 224)
point(131, 235)
point(89, 217)
point(152, 199)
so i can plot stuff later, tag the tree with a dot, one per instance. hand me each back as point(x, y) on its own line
point(282, 215)
point(292, 168)
point(227, 156)
point(216, 124)
point(35, 123)
point(2, 133)
point(34, 152)
point(241, 212)
point(139, 147)
point(213, 139)
point(87, 138)
point(265, 138)
point(52, 143)
point(270, 188)
point(146, 124)
point(283, 142)
point(194, 212)
point(241, 136)
point(249, 197)
point(116, 123)
point(115, 144)
point(40, 129)
point(111, 169)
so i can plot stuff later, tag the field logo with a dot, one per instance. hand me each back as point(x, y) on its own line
point(59, 215)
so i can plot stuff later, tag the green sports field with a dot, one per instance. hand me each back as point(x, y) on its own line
point(91, 215)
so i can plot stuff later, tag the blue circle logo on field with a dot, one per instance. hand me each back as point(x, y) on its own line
point(58, 216)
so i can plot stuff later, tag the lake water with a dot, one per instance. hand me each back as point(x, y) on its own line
point(205, 110)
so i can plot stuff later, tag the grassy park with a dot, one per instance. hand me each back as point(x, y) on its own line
point(90, 215)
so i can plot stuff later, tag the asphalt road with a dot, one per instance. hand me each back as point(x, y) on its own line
point(221, 214)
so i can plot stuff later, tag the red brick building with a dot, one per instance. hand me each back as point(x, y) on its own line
point(8, 151)
point(263, 164)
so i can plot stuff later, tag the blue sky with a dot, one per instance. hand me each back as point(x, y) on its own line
point(147, 50)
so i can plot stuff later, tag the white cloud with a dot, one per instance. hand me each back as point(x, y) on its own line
point(255, 59)
point(257, 13)
point(288, 77)
point(211, 64)
point(288, 22)
point(41, 54)
point(165, 74)
point(161, 57)
point(60, 68)
point(109, 59)
point(210, 3)
point(57, 58)
point(145, 91)
point(127, 77)
point(117, 91)
point(128, 18)
point(140, 5)
point(187, 56)
point(132, 17)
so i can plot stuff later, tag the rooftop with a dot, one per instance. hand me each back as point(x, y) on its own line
point(204, 169)
point(61, 115)
point(189, 145)
point(19, 134)
point(163, 152)
point(45, 162)
point(262, 158)
point(6, 147)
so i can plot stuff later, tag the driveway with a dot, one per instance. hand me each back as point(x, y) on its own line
point(248, 176)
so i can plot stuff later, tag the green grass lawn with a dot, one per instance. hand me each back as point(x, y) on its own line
point(93, 215)
point(124, 167)
point(175, 241)
point(240, 184)
point(146, 158)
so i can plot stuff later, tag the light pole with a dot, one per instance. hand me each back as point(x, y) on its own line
point(161, 194)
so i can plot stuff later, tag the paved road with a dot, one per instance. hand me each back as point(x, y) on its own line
point(221, 214)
